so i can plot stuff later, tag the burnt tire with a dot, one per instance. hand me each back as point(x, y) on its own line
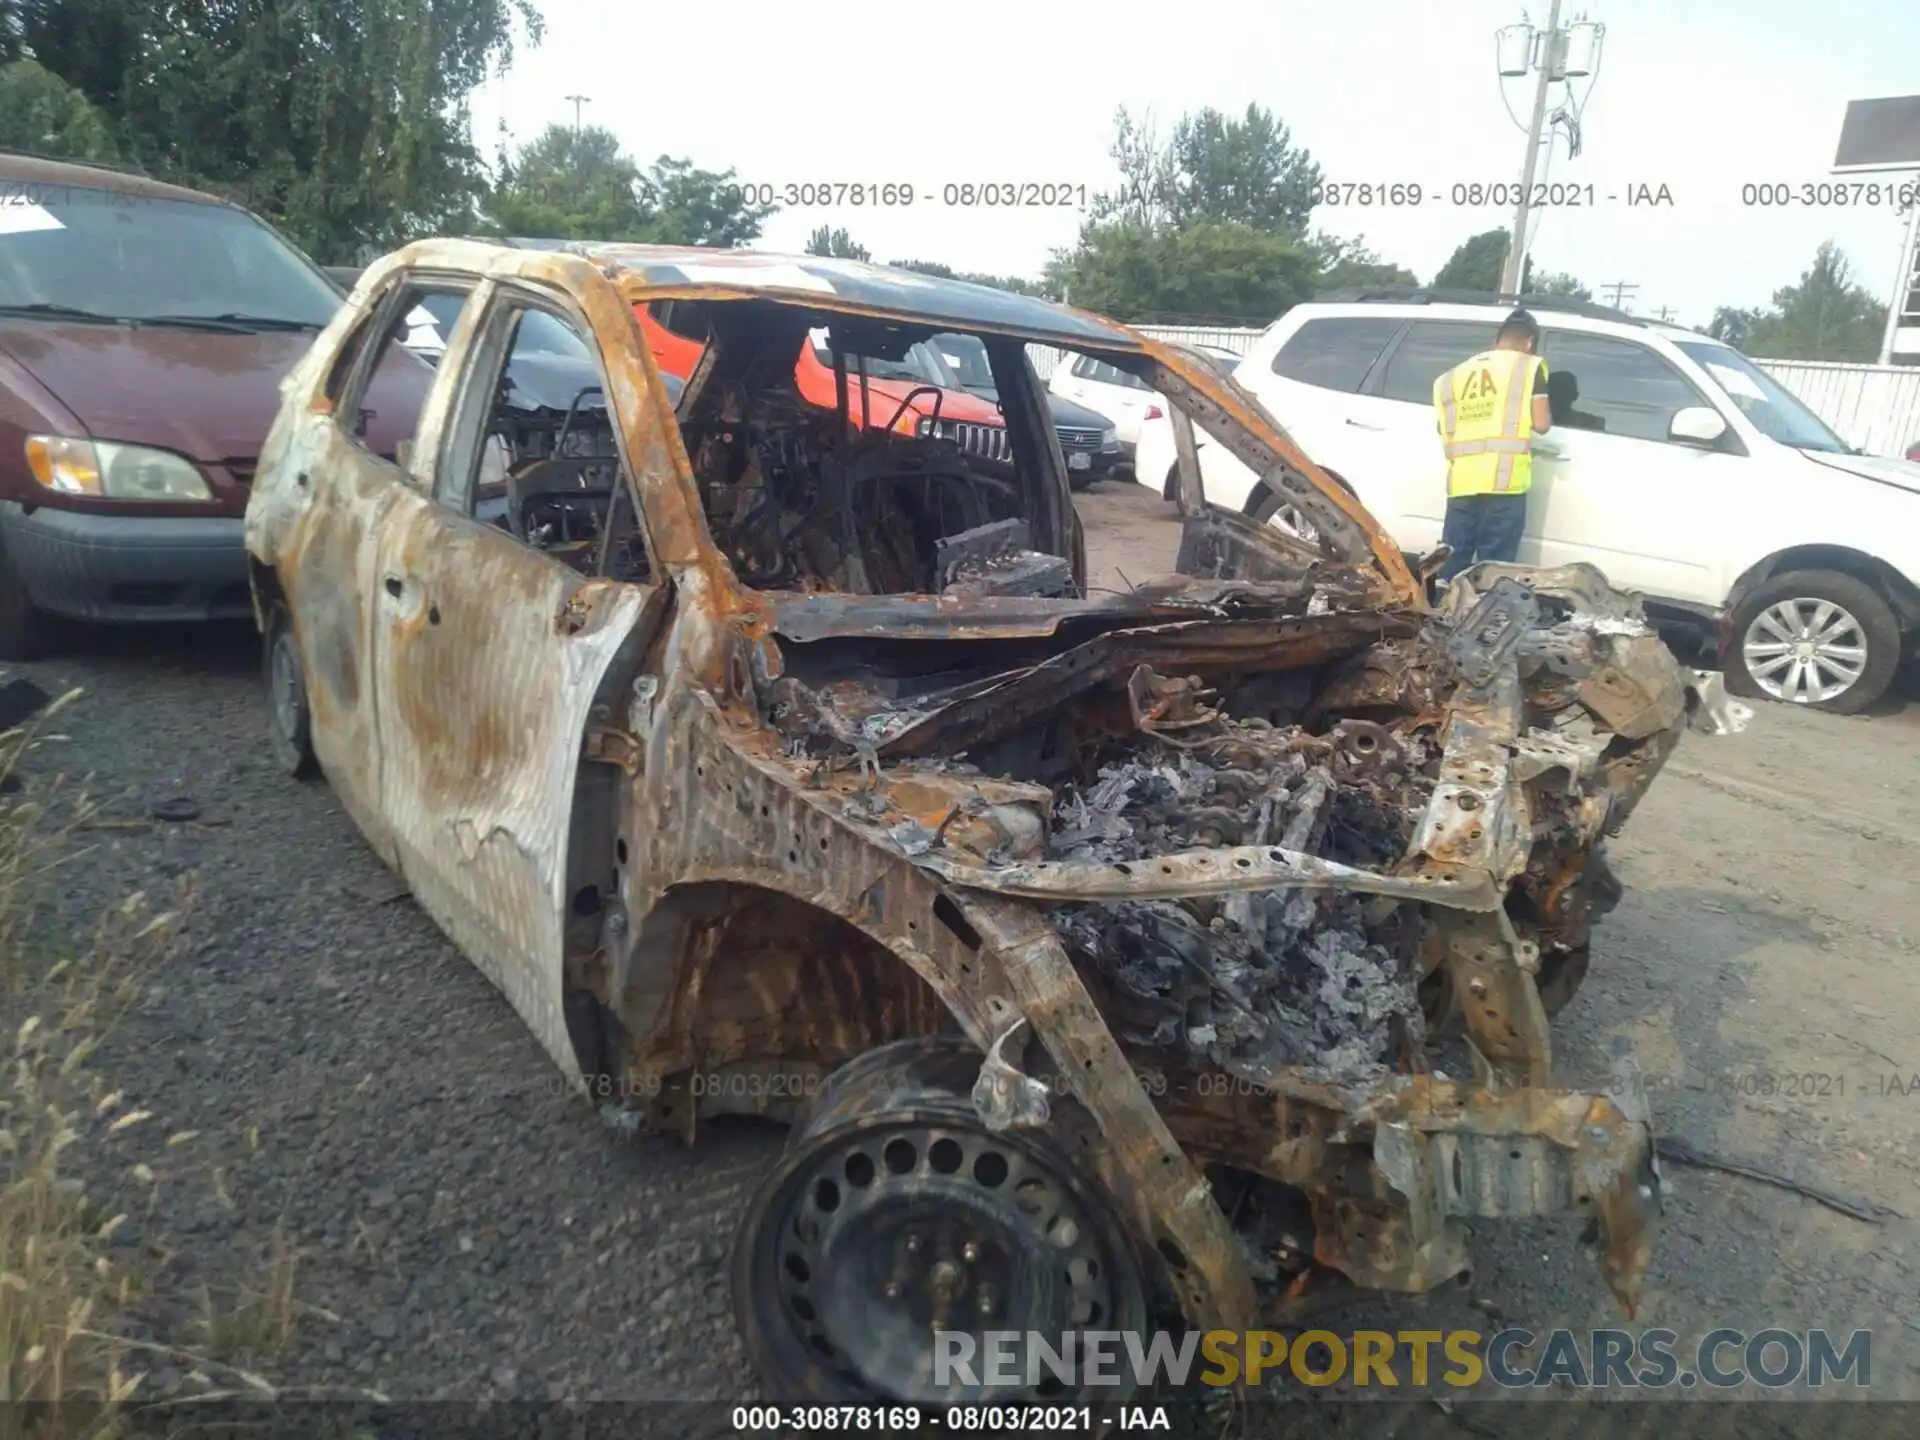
point(1800, 635)
point(895, 1213)
point(289, 720)
point(26, 631)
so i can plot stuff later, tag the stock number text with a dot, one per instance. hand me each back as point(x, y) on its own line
point(808, 193)
point(1780, 194)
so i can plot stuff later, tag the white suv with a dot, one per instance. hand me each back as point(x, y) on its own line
point(1122, 398)
point(1679, 468)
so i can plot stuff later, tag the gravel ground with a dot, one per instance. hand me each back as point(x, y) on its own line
point(366, 1101)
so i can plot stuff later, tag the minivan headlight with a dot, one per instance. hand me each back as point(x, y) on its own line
point(113, 471)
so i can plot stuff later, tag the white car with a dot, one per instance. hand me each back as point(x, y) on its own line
point(1124, 399)
point(1679, 467)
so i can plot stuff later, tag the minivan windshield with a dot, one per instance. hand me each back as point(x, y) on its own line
point(1774, 410)
point(133, 257)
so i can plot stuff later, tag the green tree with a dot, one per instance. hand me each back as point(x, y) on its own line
point(1824, 315)
point(1215, 170)
point(690, 206)
point(1554, 282)
point(580, 184)
point(1477, 263)
point(1734, 325)
point(1220, 273)
point(1480, 259)
point(346, 123)
point(572, 185)
point(837, 244)
point(1344, 262)
point(41, 112)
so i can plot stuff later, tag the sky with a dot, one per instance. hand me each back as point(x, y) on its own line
point(1702, 98)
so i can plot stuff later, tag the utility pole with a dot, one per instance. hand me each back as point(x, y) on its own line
point(1517, 246)
point(1561, 54)
point(1667, 313)
point(1620, 289)
point(578, 101)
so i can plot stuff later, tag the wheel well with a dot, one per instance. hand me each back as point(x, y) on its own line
point(764, 975)
point(1893, 587)
point(1260, 487)
point(268, 597)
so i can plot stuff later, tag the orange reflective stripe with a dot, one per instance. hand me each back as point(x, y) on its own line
point(1451, 405)
point(1503, 473)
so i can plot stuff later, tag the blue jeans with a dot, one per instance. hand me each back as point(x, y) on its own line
point(1482, 527)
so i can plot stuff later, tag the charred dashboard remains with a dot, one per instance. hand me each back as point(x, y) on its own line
point(864, 497)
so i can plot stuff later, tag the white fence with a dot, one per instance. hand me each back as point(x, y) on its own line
point(1875, 408)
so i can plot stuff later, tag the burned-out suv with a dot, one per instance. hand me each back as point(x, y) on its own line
point(144, 331)
point(771, 764)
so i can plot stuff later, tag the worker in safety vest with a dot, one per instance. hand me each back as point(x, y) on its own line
point(1489, 408)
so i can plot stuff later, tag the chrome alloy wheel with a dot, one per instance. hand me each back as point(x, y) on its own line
point(1805, 651)
point(1289, 519)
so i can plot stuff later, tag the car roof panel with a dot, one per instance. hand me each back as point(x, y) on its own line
point(854, 284)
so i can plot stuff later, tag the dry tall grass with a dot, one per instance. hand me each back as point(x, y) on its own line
point(63, 1369)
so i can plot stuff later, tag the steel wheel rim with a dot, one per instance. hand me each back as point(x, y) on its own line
point(885, 1236)
point(1805, 651)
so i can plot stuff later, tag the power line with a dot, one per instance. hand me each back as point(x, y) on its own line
point(1620, 290)
point(1559, 54)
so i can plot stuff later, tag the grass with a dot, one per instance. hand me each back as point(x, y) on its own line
point(64, 1370)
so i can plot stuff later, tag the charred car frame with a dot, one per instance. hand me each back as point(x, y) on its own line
point(1099, 945)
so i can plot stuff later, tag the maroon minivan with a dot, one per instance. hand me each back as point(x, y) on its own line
point(144, 331)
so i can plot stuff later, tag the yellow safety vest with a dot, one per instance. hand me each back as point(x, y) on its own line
point(1485, 406)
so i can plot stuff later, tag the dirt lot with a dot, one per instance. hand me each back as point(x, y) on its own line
point(463, 1230)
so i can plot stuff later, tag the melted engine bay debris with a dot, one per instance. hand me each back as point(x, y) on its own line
point(1339, 764)
point(1320, 979)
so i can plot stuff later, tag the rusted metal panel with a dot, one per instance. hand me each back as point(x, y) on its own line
point(484, 693)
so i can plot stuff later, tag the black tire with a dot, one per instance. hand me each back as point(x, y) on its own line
point(289, 720)
point(1170, 492)
point(26, 631)
point(893, 1206)
point(1874, 627)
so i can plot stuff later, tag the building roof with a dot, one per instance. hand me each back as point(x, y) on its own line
point(957, 304)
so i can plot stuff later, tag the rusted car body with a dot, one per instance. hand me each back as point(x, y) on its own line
point(815, 784)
